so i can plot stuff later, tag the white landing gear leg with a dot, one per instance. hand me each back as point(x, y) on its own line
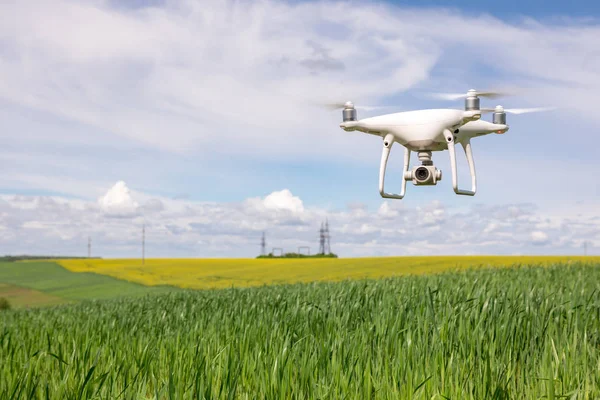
point(469, 153)
point(388, 141)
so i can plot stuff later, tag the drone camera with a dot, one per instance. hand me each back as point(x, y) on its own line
point(424, 175)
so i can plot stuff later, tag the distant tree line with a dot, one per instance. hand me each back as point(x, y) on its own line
point(297, 255)
point(26, 257)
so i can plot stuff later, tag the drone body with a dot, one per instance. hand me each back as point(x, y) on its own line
point(422, 130)
point(426, 131)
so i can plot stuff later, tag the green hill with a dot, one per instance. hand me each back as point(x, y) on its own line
point(37, 283)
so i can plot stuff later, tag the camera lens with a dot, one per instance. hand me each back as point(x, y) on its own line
point(422, 174)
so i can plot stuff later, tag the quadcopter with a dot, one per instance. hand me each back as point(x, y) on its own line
point(426, 131)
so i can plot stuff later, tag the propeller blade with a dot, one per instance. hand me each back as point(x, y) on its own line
point(340, 106)
point(493, 95)
point(334, 106)
point(490, 94)
point(527, 110)
point(518, 110)
point(370, 108)
point(448, 96)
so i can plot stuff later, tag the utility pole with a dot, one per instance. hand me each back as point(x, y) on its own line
point(143, 243)
point(322, 240)
point(89, 247)
point(263, 245)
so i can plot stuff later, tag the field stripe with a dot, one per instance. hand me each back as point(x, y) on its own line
point(52, 279)
point(225, 273)
point(22, 297)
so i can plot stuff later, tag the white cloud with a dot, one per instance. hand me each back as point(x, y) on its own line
point(283, 200)
point(42, 225)
point(539, 237)
point(387, 210)
point(490, 227)
point(117, 202)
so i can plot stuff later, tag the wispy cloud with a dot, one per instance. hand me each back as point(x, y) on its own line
point(191, 76)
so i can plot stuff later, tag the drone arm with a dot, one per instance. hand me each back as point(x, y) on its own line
point(469, 153)
point(388, 141)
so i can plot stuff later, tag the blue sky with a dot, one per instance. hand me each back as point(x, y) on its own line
point(512, 9)
point(209, 106)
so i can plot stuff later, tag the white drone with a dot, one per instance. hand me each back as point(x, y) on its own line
point(424, 131)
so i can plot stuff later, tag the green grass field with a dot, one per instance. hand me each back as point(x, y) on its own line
point(509, 333)
point(51, 284)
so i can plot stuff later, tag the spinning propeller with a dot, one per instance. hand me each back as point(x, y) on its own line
point(472, 103)
point(500, 112)
point(471, 93)
point(516, 110)
point(349, 104)
point(349, 109)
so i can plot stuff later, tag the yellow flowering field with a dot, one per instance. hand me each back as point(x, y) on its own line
point(236, 272)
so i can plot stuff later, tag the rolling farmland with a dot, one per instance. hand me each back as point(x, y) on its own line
point(476, 334)
point(44, 283)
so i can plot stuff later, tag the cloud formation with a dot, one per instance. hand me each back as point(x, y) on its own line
point(117, 202)
point(539, 237)
point(51, 225)
point(283, 200)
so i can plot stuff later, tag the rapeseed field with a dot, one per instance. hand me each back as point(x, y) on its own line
point(225, 273)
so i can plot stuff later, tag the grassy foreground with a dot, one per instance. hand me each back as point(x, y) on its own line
point(38, 283)
point(524, 333)
point(226, 273)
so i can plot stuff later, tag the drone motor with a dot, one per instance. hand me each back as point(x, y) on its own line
point(499, 116)
point(349, 112)
point(471, 101)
